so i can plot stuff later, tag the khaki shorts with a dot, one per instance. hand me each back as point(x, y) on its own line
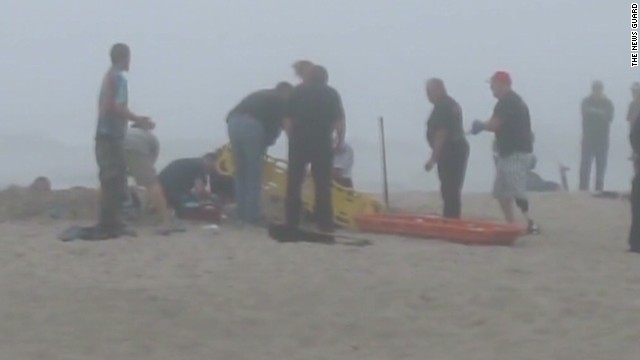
point(141, 167)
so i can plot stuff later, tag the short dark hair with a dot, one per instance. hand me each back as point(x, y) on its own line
point(119, 52)
point(319, 75)
point(284, 86)
point(300, 64)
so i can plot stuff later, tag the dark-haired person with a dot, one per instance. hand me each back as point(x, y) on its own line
point(113, 116)
point(597, 114)
point(185, 180)
point(450, 150)
point(634, 234)
point(314, 114)
point(302, 69)
point(254, 125)
point(511, 124)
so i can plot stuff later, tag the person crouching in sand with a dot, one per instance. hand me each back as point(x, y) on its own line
point(141, 150)
point(450, 150)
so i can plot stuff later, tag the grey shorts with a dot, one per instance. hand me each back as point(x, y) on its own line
point(511, 176)
point(141, 167)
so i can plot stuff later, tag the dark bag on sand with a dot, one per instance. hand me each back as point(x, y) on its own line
point(284, 233)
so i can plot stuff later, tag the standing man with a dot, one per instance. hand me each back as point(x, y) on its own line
point(634, 107)
point(254, 125)
point(597, 114)
point(314, 114)
point(634, 234)
point(514, 144)
point(450, 150)
point(113, 115)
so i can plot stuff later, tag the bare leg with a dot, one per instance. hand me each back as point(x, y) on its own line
point(507, 210)
point(156, 196)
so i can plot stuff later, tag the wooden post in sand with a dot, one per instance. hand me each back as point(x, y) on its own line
point(383, 151)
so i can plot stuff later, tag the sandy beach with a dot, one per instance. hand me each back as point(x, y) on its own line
point(570, 293)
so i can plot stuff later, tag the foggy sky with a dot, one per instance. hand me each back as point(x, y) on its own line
point(193, 60)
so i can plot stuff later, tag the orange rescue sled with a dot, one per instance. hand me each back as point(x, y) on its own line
point(467, 232)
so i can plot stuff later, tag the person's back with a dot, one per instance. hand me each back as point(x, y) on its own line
point(314, 110)
point(179, 176)
point(141, 141)
point(266, 106)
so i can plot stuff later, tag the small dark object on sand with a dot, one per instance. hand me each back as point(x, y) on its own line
point(92, 233)
point(283, 234)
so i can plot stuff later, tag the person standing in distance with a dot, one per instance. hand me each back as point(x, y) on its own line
point(597, 114)
point(113, 116)
point(314, 114)
point(511, 124)
point(450, 149)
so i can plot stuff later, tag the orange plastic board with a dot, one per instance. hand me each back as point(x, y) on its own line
point(468, 232)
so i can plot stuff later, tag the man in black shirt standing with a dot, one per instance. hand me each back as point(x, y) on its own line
point(514, 143)
point(254, 125)
point(450, 149)
point(314, 114)
point(634, 234)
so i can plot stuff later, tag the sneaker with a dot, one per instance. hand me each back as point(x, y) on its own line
point(532, 228)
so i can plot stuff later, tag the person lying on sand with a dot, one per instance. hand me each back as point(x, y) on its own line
point(141, 150)
point(185, 181)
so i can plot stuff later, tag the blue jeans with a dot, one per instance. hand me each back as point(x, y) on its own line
point(247, 137)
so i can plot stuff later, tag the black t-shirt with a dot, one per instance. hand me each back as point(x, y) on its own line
point(179, 177)
point(514, 134)
point(314, 110)
point(265, 106)
point(446, 115)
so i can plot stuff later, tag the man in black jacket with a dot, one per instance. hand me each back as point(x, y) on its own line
point(314, 114)
point(254, 125)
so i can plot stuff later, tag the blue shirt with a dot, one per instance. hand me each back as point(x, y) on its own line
point(113, 91)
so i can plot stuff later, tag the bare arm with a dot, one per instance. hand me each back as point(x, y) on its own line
point(493, 124)
point(116, 100)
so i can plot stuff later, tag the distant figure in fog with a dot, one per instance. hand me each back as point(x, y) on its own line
point(597, 114)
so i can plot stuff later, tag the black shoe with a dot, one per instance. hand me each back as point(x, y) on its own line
point(532, 228)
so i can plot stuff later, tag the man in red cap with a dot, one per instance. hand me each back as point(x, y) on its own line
point(511, 124)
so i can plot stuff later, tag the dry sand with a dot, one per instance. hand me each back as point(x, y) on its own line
point(572, 293)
